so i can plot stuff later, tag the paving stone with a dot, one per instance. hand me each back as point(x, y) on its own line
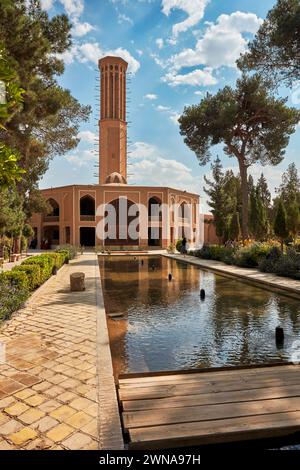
point(31, 415)
point(3, 419)
point(5, 446)
point(49, 406)
point(45, 424)
point(77, 441)
point(63, 412)
point(27, 392)
point(81, 403)
point(22, 436)
point(7, 402)
point(54, 391)
point(60, 432)
point(91, 428)
point(41, 443)
point(10, 427)
point(79, 419)
point(17, 409)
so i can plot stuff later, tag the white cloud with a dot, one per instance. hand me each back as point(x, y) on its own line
point(73, 8)
point(122, 18)
point(195, 78)
point(174, 117)
point(160, 43)
point(92, 52)
point(88, 136)
point(162, 108)
point(199, 93)
point(150, 96)
point(133, 64)
point(221, 44)
point(140, 52)
point(81, 157)
point(81, 29)
point(47, 4)
point(193, 8)
point(147, 159)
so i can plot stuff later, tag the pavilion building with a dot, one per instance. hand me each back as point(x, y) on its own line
point(78, 212)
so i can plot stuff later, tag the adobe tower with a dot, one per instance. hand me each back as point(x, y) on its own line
point(112, 123)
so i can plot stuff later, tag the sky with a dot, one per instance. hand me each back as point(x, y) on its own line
point(177, 51)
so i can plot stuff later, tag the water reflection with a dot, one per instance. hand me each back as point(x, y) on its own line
point(166, 326)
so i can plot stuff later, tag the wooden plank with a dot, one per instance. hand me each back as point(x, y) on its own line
point(218, 431)
point(164, 391)
point(137, 419)
point(213, 398)
point(203, 373)
point(208, 378)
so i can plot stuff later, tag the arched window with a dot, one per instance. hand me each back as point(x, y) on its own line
point(54, 208)
point(154, 208)
point(183, 210)
point(172, 210)
point(87, 208)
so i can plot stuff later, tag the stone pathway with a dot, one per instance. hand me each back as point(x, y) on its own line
point(248, 274)
point(48, 382)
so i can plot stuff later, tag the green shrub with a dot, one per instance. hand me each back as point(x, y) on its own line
point(179, 244)
point(15, 278)
point(12, 297)
point(71, 249)
point(251, 256)
point(287, 265)
point(58, 258)
point(33, 273)
point(216, 252)
point(45, 262)
point(65, 255)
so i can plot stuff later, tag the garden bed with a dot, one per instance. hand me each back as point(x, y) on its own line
point(17, 285)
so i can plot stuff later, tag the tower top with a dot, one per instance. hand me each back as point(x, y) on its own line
point(112, 60)
point(112, 123)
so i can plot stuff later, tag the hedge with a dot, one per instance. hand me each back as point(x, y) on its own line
point(12, 297)
point(16, 284)
point(16, 279)
point(46, 264)
point(33, 273)
point(70, 250)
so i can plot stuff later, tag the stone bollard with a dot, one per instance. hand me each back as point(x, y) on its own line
point(77, 282)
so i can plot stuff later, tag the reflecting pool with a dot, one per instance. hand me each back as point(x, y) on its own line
point(164, 325)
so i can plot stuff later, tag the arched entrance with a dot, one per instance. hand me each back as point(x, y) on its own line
point(120, 213)
point(50, 237)
point(87, 236)
point(154, 222)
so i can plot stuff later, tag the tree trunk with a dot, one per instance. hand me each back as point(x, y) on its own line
point(245, 201)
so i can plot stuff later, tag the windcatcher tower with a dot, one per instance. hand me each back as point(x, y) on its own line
point(112, 124)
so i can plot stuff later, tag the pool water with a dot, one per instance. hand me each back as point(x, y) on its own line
point(164, 325)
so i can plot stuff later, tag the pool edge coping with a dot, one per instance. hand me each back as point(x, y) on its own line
point(268, 284)
point(110, 432)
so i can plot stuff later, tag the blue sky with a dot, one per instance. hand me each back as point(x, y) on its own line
point(177, 50)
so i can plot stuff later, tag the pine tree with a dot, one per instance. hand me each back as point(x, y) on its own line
point(258, 220)
point(280, 223)
point(217, 201)
point(249, 121)
point(289, 193)
point(235, 227)
point(49, 122)
point(293, 219)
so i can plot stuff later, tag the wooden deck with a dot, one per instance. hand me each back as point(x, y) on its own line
point(176, 409)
